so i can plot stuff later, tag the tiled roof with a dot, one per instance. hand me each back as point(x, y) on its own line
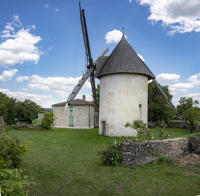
point(74, 102)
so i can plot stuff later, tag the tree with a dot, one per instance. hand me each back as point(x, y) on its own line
point(158, 107)
point(13, 110)
point(29, 111)
point(98, 93)
point(47, 121)
point(7, 108)
point(189, 110)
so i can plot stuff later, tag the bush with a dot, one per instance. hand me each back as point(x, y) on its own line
point(11, 151)
point(47, 121)
point(162, 132)
point(165, 160)
point(142, 129)
point(12, 183)
point(112, 155)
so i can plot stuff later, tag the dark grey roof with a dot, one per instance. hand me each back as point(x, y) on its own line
point(74, 102)
point(80, 102)
point(124, 59)
point(101, 61)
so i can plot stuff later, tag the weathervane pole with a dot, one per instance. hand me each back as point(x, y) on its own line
point(122, 31)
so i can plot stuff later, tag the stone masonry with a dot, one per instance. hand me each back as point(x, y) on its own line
point(138, 153)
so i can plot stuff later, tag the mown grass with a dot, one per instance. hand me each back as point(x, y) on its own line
point(65, 162)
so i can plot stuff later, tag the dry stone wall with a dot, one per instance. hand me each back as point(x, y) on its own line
point(144, 152)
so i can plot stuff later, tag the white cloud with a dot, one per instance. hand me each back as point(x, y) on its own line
point(55, 83)
point(9, 30)
point(19, 45)
point(166, 77)
point(130, 1)
point(141, 57)
point(180, 15)
point(195, 96)
point(56, 10)
point(180, 87)
point(8, 74)
point(195, 79)
point(113, 36)
point(193, 82)
point(22, 78)
point(58, 89)
point(22, 96)
point(40, 99)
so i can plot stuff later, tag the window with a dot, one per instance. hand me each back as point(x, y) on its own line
point(140, 111)
point(71, 108)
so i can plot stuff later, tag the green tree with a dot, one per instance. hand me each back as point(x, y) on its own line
point(7, 108)
point(47, 121)
point(98, 93)
point(28, 111)
point(13, 110)
point(158, 107)
point(189, 110)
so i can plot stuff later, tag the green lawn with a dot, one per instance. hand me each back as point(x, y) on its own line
point(65, 162)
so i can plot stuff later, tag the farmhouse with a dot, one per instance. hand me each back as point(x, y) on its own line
point(78, 113)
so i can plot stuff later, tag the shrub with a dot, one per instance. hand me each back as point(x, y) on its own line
point(11, 151)
point(112, 155)
point(165, 160)
point(47, 121)
point(161, 130)
point(142, 129)
point(35, 122)
point(12, 183)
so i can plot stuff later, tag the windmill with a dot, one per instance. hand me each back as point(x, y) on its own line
point(123, 60)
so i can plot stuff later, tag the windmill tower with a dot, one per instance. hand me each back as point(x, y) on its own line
point(123, 86)
point(123, 91)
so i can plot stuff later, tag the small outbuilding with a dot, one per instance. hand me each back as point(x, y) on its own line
point(78, 113)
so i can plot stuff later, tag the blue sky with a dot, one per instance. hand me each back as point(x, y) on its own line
point(42, 53)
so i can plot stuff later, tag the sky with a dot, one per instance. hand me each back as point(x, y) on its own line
point(42, 55)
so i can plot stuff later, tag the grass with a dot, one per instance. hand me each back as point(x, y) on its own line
point(65, 162)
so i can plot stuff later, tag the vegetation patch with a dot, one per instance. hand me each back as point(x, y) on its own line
point(188, 160)
point(112, 155)
point(12, 182)
point(65, 162)
point(47, 121)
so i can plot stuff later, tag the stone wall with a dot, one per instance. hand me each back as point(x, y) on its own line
point(81, 116)
point(144, 152)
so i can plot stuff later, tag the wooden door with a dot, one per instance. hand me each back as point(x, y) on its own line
point(71, 121)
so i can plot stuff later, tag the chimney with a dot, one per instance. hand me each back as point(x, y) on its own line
point(83, 97)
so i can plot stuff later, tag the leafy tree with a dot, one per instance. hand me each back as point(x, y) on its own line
point(189, 110)
point(47, 121)
point(7, 108)
point(13, 110)
point(28, 110)
point(98, 93)
point(158, 107)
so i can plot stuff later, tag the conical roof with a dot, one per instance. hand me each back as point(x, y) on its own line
point(124, 59)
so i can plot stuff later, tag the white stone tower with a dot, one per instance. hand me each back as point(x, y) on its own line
point(123, 91)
